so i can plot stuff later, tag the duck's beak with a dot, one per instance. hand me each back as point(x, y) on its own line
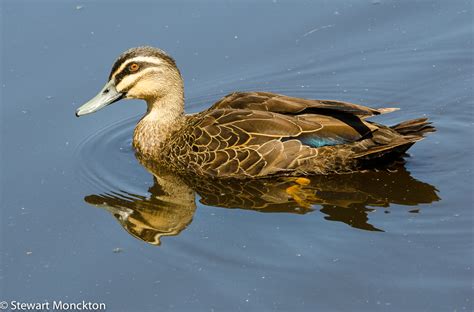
point(106, 96)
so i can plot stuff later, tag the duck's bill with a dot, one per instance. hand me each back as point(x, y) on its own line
point(106, 96)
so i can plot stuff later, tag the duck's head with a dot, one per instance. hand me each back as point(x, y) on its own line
point(139, 73)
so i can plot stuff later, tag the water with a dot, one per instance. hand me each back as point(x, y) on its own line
point(394, 242)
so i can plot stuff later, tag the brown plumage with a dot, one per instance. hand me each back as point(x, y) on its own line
point(256, 134)
point(249, 134)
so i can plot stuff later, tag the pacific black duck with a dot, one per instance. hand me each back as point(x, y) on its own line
point(249, 134)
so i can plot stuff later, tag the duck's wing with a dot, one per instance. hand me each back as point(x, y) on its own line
point(243, 142)
point(282, 104)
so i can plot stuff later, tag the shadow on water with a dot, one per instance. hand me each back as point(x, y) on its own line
point(347, 198)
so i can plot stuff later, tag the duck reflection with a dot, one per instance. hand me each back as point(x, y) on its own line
point(347, 198)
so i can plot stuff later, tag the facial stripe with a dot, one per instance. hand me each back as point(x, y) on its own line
point(130, 79)
point(139, 59)
point(126, 71)
point(142, 51)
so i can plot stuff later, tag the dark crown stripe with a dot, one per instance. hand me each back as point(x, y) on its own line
point(141, 51)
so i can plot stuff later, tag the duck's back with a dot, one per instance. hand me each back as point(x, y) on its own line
point(257, 134)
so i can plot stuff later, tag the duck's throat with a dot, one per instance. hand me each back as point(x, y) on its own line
point(164, 116)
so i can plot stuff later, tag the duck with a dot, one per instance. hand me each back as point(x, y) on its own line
point(249, 134)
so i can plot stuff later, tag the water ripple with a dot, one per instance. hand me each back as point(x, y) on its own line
point(106, 159)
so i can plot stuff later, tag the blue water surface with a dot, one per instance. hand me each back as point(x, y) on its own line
point(415, 55)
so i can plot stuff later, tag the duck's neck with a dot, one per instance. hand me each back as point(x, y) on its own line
point(164, 116)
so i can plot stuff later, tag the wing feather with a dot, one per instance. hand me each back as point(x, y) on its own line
point(282, 104)
point(258, 134)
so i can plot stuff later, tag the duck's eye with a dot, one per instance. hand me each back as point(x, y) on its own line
point(133, 67)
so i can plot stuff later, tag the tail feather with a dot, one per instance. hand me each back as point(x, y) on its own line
point(410, 131)
point(415, 127)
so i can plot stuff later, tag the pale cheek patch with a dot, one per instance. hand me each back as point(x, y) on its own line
point(144, 81)
point(127, 82)
point(145, 88)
